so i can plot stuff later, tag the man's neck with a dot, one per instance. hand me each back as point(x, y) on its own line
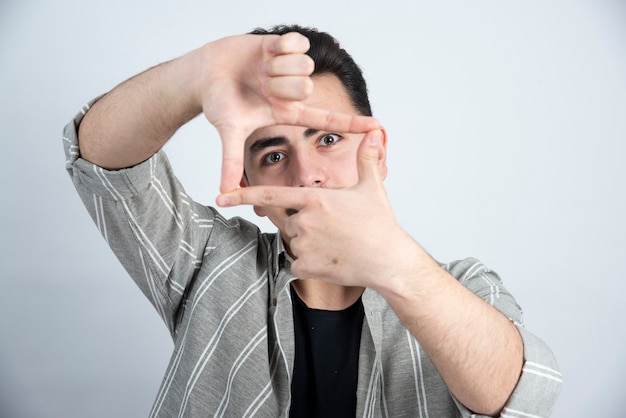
point(317, 294)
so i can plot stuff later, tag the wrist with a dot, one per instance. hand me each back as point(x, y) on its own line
point(413, 269)
point(186, 79)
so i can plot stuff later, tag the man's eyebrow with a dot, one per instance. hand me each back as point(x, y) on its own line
point(310, 132)
point(260, 144)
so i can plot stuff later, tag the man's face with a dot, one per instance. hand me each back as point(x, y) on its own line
point(294, 156)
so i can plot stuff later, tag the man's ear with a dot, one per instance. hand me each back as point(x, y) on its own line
point(258, 210)
point(382, 156)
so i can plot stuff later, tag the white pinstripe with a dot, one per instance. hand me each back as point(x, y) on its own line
point(470, 272)
point(281, 351)
point(506, 413)
point(141, 236)
point(494, 288)
point(238, 363)
point(100, 218)
point(418, 376)
point(542, 367)
point(107, 184)
point(370, 399)
point(265, 393)
point(226, 264)
point(176, 287)
point(383, 394)
point(214, 341)
point(167, 381)
point(188, 249)
point(153, 288)
point(552, 374)
point(167, 202)
point(259, 400)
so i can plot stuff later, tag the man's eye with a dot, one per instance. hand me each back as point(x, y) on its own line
point(273, 158)
point(329, 139)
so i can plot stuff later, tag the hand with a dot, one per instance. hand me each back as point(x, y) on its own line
point(260, 80)
point(344, 236)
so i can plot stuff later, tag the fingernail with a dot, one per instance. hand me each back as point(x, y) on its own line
point(222, 200)
point(375, 138)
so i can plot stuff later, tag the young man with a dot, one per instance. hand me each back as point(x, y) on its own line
point(340, 313)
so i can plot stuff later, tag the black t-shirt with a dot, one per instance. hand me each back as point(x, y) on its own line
point(326, 361)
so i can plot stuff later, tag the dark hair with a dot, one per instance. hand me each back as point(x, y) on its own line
point(329, 57)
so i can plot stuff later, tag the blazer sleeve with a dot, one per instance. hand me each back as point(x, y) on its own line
point(540, 382)
point(156, 231)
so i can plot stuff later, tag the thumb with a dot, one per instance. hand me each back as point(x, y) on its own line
point(232, 160)
point(369, 156)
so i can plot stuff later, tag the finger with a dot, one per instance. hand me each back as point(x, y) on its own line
point(292, 64)
point(328, 120)
point(289, 43)
point(276, 196)
point(368, 156)
point(291, 228)
point(232, 160)
point(291, 88)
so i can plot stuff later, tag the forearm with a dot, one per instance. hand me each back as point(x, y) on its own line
point(136, 118)
point(477, 350)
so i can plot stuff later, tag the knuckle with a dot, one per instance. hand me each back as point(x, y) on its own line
point(267, 196)
point(271, 66)
point(307, 87)
point(298, 88)
point(295, 42)
point(308, 65)
point(300, 269)
point(330, 118)
point(314, 199)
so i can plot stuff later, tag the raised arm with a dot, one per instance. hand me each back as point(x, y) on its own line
point(132, 121)
point(240, 83)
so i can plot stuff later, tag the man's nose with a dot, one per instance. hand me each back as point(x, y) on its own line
point(309, 172)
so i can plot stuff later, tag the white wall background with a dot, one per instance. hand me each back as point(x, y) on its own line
point(506, 121)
